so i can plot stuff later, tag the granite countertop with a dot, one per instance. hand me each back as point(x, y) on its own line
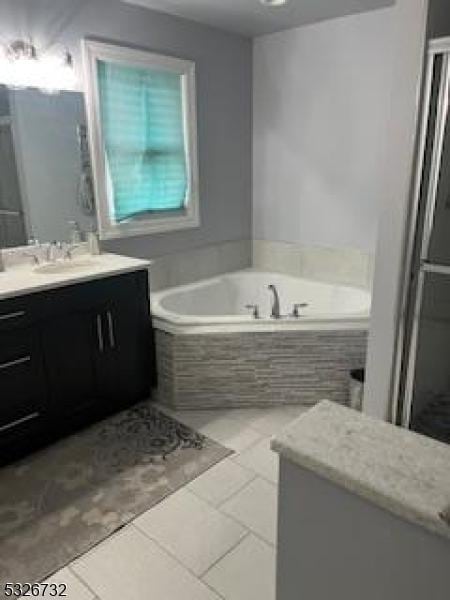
point(400, 471)
point(18, 281)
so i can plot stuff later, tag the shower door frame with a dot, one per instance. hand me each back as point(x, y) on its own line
point(405, 360)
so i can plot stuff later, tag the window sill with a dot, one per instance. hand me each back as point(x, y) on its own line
point(155, 225)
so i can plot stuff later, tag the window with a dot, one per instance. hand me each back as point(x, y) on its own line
point(141, 111)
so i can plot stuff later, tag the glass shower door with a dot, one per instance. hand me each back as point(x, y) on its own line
point(426, 384)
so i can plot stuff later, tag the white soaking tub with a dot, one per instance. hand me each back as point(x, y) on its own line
point(219, 305)
point(212, 352)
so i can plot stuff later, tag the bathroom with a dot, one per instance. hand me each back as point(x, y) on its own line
point(178, 331)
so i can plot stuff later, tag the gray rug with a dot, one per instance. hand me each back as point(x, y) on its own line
point(60, 502)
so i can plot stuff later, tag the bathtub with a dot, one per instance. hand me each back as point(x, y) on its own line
point(219, 305)
point(213, 353)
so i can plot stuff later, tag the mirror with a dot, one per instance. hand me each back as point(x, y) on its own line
point(45, 169)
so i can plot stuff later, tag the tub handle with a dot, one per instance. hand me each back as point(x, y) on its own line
point(255, 310)
point(296, 309)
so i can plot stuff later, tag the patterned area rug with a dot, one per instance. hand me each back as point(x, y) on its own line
point(60, 502)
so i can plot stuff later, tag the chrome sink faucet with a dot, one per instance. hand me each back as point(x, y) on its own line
point(276, 310)
point(68, 250)
point(34, 256)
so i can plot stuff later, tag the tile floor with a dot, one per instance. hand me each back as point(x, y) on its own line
point(212, 540)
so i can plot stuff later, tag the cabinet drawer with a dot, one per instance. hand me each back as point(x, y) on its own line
point(22, 382)
point(19, 312)
point(87, 296)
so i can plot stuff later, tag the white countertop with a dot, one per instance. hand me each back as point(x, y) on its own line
point(18, 281)
point(400, 471)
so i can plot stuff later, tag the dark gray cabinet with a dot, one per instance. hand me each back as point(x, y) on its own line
point(71, 355)
point(22, 380)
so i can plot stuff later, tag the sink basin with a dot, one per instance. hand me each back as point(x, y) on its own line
point(65, 266)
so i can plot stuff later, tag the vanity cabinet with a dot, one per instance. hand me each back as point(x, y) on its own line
point(22, 380)
point(73, 354)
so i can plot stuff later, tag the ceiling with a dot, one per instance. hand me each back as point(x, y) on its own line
point(250, 18)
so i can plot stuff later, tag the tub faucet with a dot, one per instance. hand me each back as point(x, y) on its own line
point(296, 310)
point(276, 312)
point(255, 310)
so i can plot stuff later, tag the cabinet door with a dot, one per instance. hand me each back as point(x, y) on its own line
point(22, 383)
point(72, 344)
point(128, 373)
point(97, 345)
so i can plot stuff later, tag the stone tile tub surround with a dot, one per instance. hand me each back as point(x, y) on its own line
point(181, 268)
point(211, 353)
point(256, 369)
point(400, 471)
point(345, 266)
point(348, 266)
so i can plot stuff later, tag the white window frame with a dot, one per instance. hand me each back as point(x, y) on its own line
point(189, 216)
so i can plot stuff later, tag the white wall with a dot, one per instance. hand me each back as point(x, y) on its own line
point(409, 21)
point(321, 108)
point(335, 115)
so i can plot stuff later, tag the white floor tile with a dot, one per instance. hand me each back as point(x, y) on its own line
point(231, 433)
point(75, 590)
point(216, 423)
point(219, 426)
point(191, 530)
point(255, 507)
point(247, 416)
point(221, 482)
point(273, 420)
point(130, 566)
point(246, 573)
point(260, 459)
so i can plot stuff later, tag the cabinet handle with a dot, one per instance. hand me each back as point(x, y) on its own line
point(13, 363)
point(29, 417)
point(112, 340)
point(101, 343)
point(13, 315)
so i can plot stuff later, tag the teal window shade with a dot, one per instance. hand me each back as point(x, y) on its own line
point(143, 131)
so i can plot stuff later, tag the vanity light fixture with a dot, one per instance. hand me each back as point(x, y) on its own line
point(18, 64)
point(57, 73)
point(21, 67)
point(274, 3)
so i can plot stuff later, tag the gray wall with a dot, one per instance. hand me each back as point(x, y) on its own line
point(334, 545)
point(224, 80)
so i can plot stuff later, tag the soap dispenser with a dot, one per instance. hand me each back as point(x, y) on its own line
point(93, 243)
point(75, 236)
